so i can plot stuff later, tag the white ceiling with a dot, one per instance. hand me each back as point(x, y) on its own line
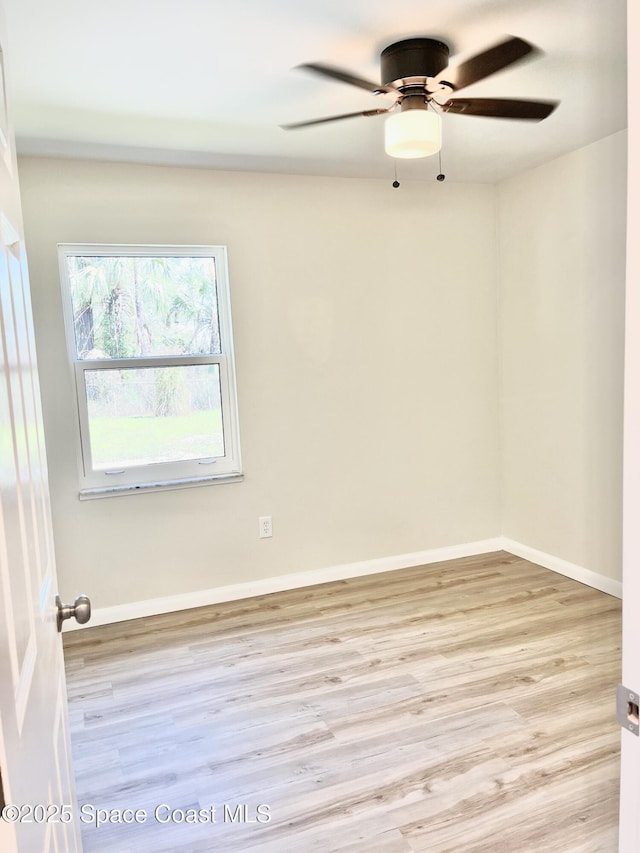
point(208, 82)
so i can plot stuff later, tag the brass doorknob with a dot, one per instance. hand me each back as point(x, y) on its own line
point(80, 610)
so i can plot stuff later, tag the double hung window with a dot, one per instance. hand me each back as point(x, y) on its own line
point(150, 340)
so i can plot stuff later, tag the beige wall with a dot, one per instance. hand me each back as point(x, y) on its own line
point(370, 368)
point(366, 343)
point(561, 272)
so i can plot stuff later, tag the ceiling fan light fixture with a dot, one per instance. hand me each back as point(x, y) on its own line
point(412, 133)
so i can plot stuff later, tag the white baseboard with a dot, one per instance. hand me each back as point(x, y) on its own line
point(297, 580)
point(564, 567)
point(235, 592)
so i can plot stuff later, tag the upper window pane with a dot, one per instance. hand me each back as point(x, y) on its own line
point(141, 307)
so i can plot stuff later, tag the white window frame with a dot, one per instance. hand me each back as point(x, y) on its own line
point(161, 475)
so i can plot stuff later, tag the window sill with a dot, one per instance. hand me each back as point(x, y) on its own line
point(134, 488)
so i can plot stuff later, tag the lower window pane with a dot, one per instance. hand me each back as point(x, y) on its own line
point(141, 416)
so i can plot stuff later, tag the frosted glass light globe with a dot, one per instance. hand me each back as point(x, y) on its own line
point(412, 133)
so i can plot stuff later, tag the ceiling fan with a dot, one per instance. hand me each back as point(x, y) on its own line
point(415, 72)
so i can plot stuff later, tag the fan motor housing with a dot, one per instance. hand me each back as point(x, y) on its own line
point(405, 62)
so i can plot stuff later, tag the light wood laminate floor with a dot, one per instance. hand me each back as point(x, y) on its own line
point(465, 706)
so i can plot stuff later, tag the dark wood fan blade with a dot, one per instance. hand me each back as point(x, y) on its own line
point(500, 108)
point(488, 62)
point(297, 124)
point(346, 77)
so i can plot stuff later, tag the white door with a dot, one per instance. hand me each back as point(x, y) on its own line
point(37, 791)
point(630, 770)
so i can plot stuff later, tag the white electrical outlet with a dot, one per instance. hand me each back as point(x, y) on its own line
point(266, 529)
